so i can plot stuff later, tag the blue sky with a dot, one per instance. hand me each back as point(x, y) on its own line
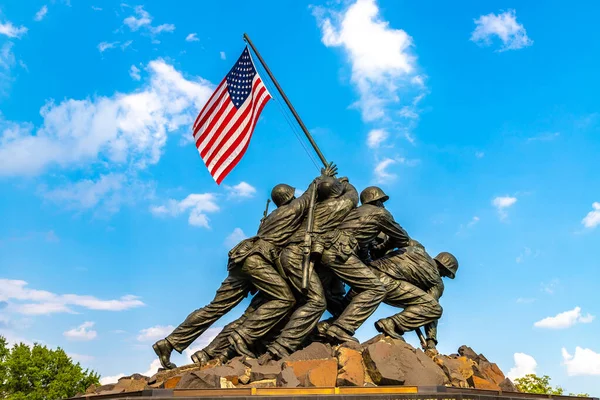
point(479, 119)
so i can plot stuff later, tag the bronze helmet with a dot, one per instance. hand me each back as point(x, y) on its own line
point(282, 194)
point(372, 194)
point(329, 188)
point(448, 262)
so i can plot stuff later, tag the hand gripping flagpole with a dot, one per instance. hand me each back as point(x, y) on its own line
point(287, 101)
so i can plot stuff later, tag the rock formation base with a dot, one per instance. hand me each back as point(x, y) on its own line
point(381, 361)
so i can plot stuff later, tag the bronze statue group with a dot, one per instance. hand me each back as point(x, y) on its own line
point(297, 267)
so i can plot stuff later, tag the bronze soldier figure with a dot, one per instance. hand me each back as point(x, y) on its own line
point(251, 266)
point(413, 281)
point(341, 249)
point(336, 198)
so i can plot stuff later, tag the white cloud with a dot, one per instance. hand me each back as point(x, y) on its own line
point(82, 332)
point(197, 204)
point(505, 27)
point(376, 137)
point(381, 58)
point(7, 58)
point(382, 175)
point(545, 137)
point(134, 72)
point(23, 300)
point(479, 154)
point(126, 44)
point(549, 287)
point(241, 190)
point(473, 221)
point(565, 320)
point(143, 19)
point(96, 8)
point(524, 365)
point(127, 130)
point(154, 333)
point(86, 193)
point(192, 37)
point(105, 380)
point(235, 237)
point(502, 203)
point(153, 369)
point(222, 55)
point(162, 28)
point(8, 29)
point(41, 13)
point(526, 253)
point(592, 219)
point(203, 341)
point(584, 362)
point(103, 46)
point(462, 228)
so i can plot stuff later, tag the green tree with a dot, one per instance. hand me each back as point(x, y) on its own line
point(39, 373)
point(532, 383)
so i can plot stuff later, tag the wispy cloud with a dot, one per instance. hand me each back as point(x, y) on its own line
point(134, 72)
point(381, 172)
point(41, 13)
point(592, 219)
point(505, 27)
point(549, 287)
point(83, 332)
point(222, 55)
point(376, 137)
point(21, 299)
point(198, 205)
point(242, 190)
point(382, 62)
point(544, 137)
point(502, 203)
point(103, 46)
point(8, 29)
point(154, 333)
point(192, 37)
point(565, 320)
point(235, 237)
point(143, 20)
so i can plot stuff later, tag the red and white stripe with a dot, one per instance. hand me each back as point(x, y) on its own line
point(222, 132)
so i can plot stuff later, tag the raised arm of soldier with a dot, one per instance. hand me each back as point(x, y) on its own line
point(397, 236)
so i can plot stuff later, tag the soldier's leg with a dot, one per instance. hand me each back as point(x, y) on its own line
point(305, 318)
point(334, 289)
point(232, 291)
point(431, 334)
point(279, 300)
point(220, 344)
point(369, 291)
point(419, 308)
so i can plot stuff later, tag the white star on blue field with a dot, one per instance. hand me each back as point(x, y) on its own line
point(480, 120)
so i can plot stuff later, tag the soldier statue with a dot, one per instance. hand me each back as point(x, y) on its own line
point(413, 281)
point(342, 248)
point(252, 265)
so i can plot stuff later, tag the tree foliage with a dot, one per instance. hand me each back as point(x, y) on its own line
point(39, 373)
point(532, 383)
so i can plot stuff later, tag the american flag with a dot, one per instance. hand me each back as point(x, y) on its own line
point(223, 128)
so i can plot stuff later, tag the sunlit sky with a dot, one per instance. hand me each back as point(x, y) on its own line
point(479, 119)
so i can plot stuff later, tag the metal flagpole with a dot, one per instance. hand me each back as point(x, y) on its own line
point(287, 101)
